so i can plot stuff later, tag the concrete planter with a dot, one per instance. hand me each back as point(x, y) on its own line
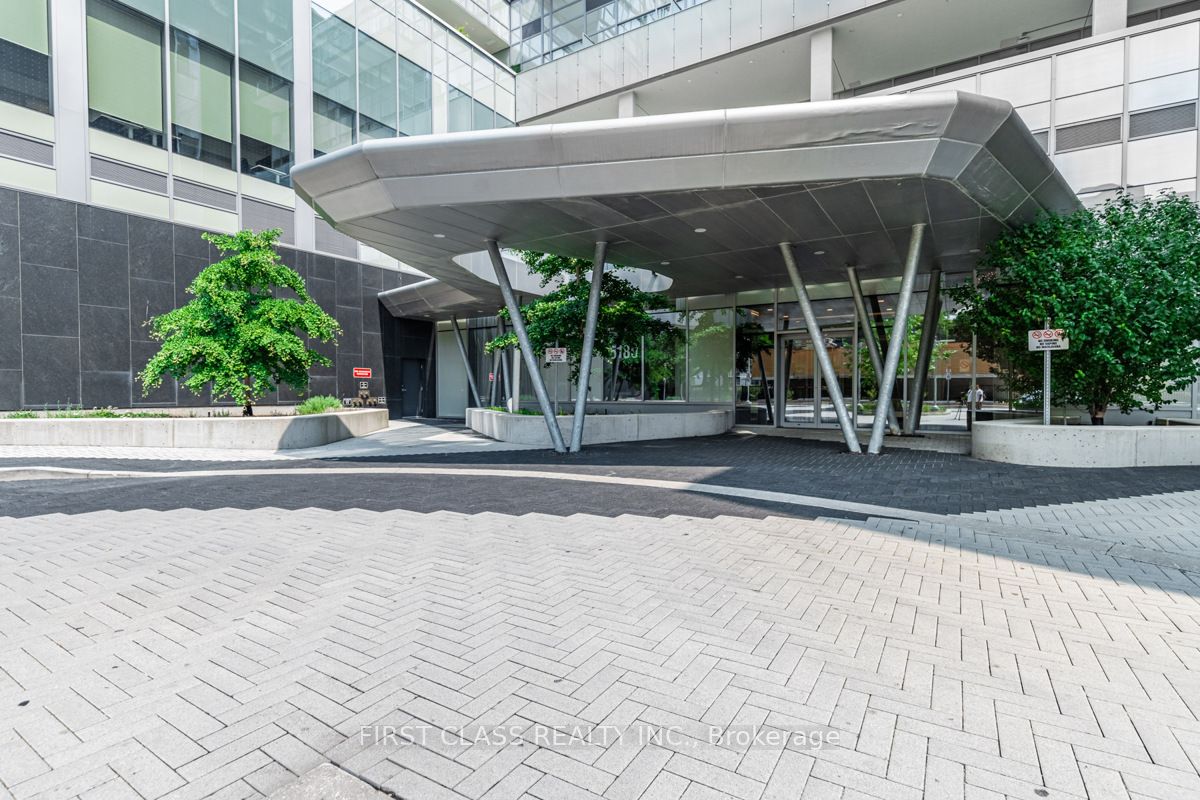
point(222, 433)
point(1029, 442)
point(600, 428)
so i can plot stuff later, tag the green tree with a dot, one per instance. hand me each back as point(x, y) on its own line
point(557, 318)
point(1123, 282)
point(240, 334)
point(912, 346)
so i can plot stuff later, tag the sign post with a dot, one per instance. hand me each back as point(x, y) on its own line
point(556, 356)
point(1047, 340)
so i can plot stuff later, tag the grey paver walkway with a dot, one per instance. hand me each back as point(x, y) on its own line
point(223, 653)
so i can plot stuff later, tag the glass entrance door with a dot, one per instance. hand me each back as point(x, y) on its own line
point(803, 399)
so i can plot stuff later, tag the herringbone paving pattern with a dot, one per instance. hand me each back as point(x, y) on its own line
point(222, 653)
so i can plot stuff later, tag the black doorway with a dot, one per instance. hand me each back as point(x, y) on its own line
point(412, 377)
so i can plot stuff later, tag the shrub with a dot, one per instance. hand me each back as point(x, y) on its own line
point(319, 404)
point(22, 415)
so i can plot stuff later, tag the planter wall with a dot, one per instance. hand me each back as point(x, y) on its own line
point(1029, 442)
point(600, 428)
point(232, 433)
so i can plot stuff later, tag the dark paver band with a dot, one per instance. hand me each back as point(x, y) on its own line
point(911, 479)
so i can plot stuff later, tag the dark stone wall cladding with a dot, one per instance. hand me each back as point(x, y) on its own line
point(78, 283)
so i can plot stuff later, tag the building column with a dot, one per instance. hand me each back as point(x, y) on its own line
point(68, 25)
point(818, 339)
point(530, 357)
point(887, 378)
point(627, 105)
point(589, 339)
point(864, 322)
point(1109, 15)
point(462, 350)
point(820, 69)
point(929, 327)
point(305, 219)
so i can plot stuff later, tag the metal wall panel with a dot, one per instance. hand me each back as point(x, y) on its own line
point(1021, 85)
point(1163, 91)
point(1164, 52)
point(1092, 105)
point(1092, 169)
point(1162, 158)
point(1090, 69)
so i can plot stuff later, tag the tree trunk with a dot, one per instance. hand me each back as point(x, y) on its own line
point(248, 409)
point(1097, 415)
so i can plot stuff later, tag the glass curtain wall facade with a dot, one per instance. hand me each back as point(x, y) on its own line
point(543, 30)
point(25, 55)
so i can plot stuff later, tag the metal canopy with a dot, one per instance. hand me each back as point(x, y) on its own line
point(704, 197)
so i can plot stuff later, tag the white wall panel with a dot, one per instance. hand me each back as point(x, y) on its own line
point(967, 84)
point(611, 59)
point(661, 46)
point(1021, 85)
point(1036, 117)
point(1091, 169)
point(1163, 91)
point(1163, 52)
point(566, 82)
point(1162, 158)
point(1092, 105)
point(776, 18)
point(687, 36)
point(635, 56)
point(714, 35)
point(745, 24)
point(1090, 69)
point(587, 62)
point(1186, 186)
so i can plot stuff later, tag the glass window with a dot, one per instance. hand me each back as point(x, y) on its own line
point(25, 55)
point(376, 89)
point(201, 100)
point(485, 118)
point(710, 356)
point(210, 20)
point(623, 374)
point(334, 84)
point(666, 359)
point(461, 115)
point(265, 35)
point(266, 124)
point(416, 99)
point(125, 72)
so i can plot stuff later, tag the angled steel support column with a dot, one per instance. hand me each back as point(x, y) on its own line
point(530, 357)
point(929, 326)
point(864, 322)
point(814, 330)
point(589, 339)
point(887, 378)
point(462, 349)
point(504, 363)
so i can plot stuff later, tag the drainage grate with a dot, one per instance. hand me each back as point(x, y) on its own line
point(1162, 120)
point(1089, 134)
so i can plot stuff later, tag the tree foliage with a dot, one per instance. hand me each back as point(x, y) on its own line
point(1123, 282)
point(557, 318)
point(912, 348)
point(244, 331)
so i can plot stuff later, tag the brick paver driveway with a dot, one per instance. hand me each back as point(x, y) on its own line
point(222, 653)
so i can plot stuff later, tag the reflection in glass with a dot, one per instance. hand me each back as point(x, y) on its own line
point(376, 89)
point(266, 124)
point(202, 100)
point(416, 99)
point(25, 55)
point(755, 363)
point(334, 84)
point(461, 111)
point(125, 75)
point(710, 356)
point(666, 359)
